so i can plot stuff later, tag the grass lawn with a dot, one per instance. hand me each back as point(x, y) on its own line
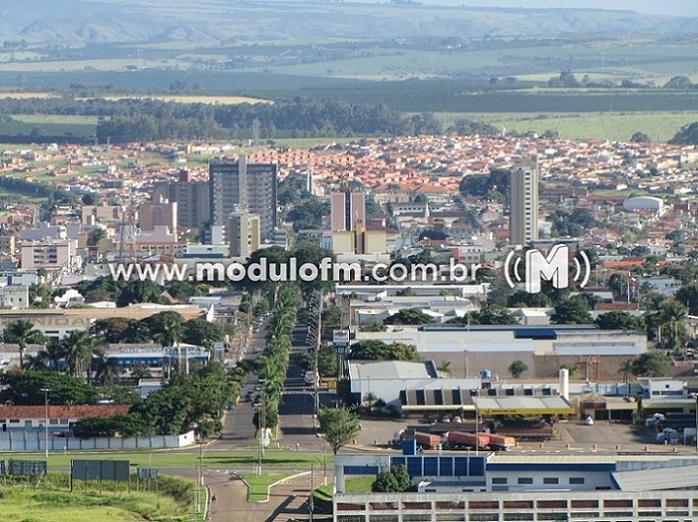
point(52, 501)
point(259, 484)
point(233, 459)
point(351, 485)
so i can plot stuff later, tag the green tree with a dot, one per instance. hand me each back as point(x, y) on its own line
point(201, 332)
point(619, 320)
point(670, 319)
point(373, 350)
point(128, 425)
point(489, 315)
point(79, 347)
point(396, 480)
point(113, 329)
point(517, 368)
point(574, 310)
point(25, 388)
point(139, 292)
point(50, 356)
point(22, 333)
point(640, 137)
point(652, 363)
point(410, 316)
point(626, 368)
point(327, 362)
point(372, 325)
point(445, 368)
point(339, 426)
point(165, 328)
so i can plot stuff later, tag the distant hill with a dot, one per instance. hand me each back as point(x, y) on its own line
point(77, 22)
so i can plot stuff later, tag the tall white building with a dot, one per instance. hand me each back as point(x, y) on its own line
point(523, 215)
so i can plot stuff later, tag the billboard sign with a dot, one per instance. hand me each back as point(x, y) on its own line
point(100, 470)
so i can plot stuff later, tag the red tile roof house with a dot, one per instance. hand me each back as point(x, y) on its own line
point(60, 418)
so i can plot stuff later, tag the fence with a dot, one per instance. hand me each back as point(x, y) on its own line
point(35, 441)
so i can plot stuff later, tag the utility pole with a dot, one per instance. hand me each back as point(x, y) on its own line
point(311, 501)
point(46, 390)
point(318, 340)
point(477, 426)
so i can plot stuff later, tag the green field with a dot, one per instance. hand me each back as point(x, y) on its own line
point(49, 125)
point(50, 500)
point(659, 126)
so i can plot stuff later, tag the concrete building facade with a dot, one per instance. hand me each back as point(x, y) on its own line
point(523, 216)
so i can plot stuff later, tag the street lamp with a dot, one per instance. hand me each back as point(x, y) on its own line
point(46, 390)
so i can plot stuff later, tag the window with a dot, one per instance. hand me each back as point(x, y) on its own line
point(53, 421)
point(499, 480)
point(551, 480)
point(576, 480)
point(14, 421)
point(524, 480)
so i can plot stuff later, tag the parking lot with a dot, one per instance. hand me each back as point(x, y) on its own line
point(573, 436)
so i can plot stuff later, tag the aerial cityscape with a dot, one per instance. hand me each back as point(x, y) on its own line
point(368, 261)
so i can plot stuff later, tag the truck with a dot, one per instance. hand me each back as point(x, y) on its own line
point(501, 442)
point(427, 440)
point(461, 439)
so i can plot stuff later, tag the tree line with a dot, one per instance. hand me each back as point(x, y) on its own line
point(129, 120)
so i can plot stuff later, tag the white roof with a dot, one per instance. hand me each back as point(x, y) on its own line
point(384, 370)
point(679, 477)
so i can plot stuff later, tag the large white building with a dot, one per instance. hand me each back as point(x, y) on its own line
point(470, 349)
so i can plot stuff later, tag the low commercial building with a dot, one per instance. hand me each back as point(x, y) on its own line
point(596, 353)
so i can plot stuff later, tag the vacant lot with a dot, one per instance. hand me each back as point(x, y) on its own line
point(51, 501)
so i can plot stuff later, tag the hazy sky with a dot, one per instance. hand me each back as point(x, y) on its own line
point(665, 7)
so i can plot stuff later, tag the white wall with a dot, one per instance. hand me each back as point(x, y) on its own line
point(34, 441)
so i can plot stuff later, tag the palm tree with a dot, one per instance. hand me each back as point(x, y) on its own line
point(626, 368)
point(107, 371)
point(445, 368)
point(22, 333)
point(171, 332)
point(672, 315)
point(370, 401)
point(51, 355)
point(79, 348)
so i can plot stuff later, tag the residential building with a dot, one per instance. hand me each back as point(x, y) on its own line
point(243, 233)
point(192, 198)
point(158, 213)
point(523, 216)
point(50, 254)
point(348, 211)
point(234, 183)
